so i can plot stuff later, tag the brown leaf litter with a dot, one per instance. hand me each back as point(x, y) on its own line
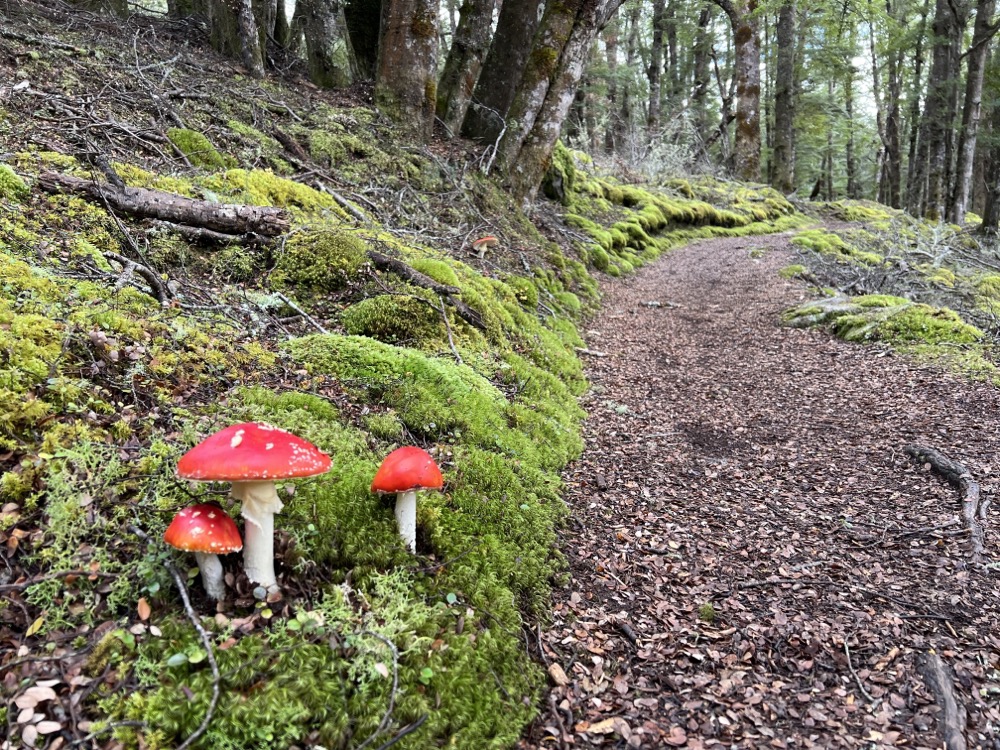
point(755, 560)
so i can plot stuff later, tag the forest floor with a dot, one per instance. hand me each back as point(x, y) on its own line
point(755, 561)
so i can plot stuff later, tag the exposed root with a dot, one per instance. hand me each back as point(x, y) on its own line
point(951, 722)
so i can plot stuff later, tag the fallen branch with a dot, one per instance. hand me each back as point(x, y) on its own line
point(21, 586)
point(129, 267)
point(974, 505)
point(951, 721)
point(398, 267)
point(210, 237)
point(157, 204)
point(302, 312)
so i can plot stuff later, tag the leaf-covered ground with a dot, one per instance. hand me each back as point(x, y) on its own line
point(755, 560)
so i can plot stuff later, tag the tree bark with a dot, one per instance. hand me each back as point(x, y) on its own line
point(502, 70)
point(853, 190)
point(702, 71)
point(948, 26)
point(915, 175)
point(655, 69)
point(982, 33)
point(544, 66)
point(329, 54)
point(363, 19)
point(746, 146)
point(406, 73)
point(531, 160)
point(611, 60)
point(784, 101)
point(465, 59)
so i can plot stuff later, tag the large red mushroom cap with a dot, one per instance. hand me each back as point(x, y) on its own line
point(407, 468)
point(204, 528)
point(252, 451)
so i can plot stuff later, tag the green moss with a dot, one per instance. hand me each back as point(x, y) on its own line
point(525, 291)
point(828, 243)
point(438, 270)
point(320, 259)
point(395, 319)
point(198, 149)
point(560, 178)
point(264, 188)
point(12, 187)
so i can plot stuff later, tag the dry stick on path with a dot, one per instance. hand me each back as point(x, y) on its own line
point(974, 505)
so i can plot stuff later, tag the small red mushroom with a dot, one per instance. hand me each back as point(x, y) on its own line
point(404, 471)
point(483, 244)
point(252, 456)
point(208, 531)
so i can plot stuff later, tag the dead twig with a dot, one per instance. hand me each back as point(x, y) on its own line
point(395, 688)
point(854, 674)
point(301, 312)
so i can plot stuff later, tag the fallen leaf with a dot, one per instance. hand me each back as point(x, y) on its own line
point(144, 609)
point(676, 737)
point(558, 675)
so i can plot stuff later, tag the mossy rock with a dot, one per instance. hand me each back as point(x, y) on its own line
point(559, 182)
point(395, 319)
point(198, 149)
point(439, 270)
point(320, 260)
point(12, 187)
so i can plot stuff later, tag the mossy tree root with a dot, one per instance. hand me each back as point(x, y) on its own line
point(974, 505)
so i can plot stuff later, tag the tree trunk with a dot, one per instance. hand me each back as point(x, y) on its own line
point(545, 64)
point(530, 162)
point(746, 147)
point(502, 70)
point(673, 58)
point(971, 111)
point(949, 23)
point(623, 124)
point(363, 23)
point(702, 71)
point(250, 46)
point(406, 73)
point(888, 179)
point(655, 69)
point(784, 101)
point(611, 60)
point(853, 190)
point(915, 175)
point(465, 59)
point(991, 208)
point(328, 45)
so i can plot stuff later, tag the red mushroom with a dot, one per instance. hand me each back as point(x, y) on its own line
point(483, 244)
point(252, 456)
point(208, 531)
point(404, 471)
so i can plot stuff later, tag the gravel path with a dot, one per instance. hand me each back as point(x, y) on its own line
point(755, 560)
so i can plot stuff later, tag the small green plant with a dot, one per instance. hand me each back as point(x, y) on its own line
point(706, 612)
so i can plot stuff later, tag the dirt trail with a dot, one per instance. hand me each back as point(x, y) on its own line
point(755, 561)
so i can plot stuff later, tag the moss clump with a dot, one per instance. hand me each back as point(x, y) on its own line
point(525, 291)
point(395, 319)
point(793, 271)
point(198, 149)
point(260, 187)
point(882, 317)
point(12, 187)
point(320, 260)
point(828, 243)
point(438, 270)
point(560, 178)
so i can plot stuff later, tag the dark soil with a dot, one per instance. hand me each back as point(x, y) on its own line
point(755, 561)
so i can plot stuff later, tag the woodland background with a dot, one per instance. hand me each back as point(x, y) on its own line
point(892, 101)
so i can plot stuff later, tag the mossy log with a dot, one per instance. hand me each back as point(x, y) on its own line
point(157, 204)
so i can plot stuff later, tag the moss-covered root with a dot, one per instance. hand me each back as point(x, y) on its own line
point(882, 317)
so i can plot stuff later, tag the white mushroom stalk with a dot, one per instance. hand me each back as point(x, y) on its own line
point(211, 575)
point(406, 518)
point(260, 503)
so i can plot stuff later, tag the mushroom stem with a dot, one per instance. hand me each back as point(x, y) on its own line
point(211, 575)
point(406, 517)
point(259, 504)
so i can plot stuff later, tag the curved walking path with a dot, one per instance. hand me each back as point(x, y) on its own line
point(755, 561)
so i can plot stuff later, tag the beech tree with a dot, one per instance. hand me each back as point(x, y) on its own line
point(746, 146)
point(406, 71)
